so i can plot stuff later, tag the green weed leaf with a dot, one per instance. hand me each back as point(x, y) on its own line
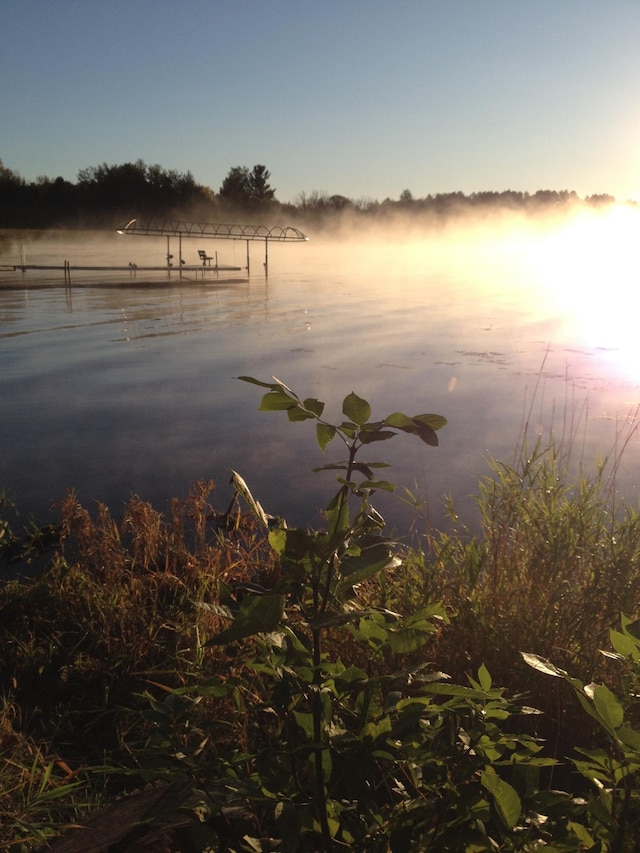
point(315, 406)
point(297, 413)
point(484, 678)
point(424, 426)
point(369, 436)
point(582, 834)
point(505, 798)
point(625, 645)
point(427, 434)
point(399, 421)
point(608, 706)
point(356, 409)
point(277, 401)
point(258, 614)
point(377, 728)
point(434, 421)
point(629, 737)
point(370, 561)
point(325, 433)
point(385, 485)
point(257, 382)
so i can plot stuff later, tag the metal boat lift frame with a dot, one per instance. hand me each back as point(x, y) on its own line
point(213, 231)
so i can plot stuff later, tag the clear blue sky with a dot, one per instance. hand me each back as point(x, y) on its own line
point(364, 98)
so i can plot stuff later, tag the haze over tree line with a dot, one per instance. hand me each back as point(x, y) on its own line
point(106, 193)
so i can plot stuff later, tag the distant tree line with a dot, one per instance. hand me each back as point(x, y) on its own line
point(106, 194)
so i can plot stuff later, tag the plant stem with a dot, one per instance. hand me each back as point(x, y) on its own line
point(316, 710)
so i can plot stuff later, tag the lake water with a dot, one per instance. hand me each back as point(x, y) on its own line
point(112, 390)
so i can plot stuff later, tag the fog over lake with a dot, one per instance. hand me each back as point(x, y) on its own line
point(112, 390)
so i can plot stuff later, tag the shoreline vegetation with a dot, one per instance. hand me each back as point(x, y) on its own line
point(208, 679)
point(106, 194)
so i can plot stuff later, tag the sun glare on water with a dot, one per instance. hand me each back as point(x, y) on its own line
point(590, 270)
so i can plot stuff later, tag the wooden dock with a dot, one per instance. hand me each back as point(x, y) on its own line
point(187, 272)
point(181, 271)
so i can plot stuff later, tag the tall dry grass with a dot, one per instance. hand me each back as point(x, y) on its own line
point(121, 611)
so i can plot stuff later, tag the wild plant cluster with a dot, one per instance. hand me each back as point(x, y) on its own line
point(198, 680)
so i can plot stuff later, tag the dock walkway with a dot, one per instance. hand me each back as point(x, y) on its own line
point(197, 271)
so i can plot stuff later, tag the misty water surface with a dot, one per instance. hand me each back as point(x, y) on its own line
point(113, 390)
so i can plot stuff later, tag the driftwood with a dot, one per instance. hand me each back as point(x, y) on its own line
point(146, 820)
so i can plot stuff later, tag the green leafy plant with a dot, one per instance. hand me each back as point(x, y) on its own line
point(609, 819)
point(349, 742)
point(317, 594)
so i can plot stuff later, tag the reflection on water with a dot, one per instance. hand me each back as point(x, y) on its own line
point(112, 390)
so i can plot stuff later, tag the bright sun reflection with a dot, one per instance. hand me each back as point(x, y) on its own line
point(591, 269)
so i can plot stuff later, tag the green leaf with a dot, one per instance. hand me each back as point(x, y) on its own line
point(399, 421)
point(424, 426)
point(291, 542)
point(433, 421)
point(225, 595)
point(313, 405)
point(608, 706)
point(368, 437)
point(352, 676)
point(582, 834)
point(505, 798)
point(296, 413)
point(377, 556)
point(413, 426)
point(427, 434)
point(324, 434)
point(305, 721)
point(406, 640)
point(337, 514)
point(368, 562)
point(629, 737)
point(278, 539)
point(364, 469)
point(356, 409)
point(385, 485)
point(277, 401)
point(435, 612)
point(258, 614)
point(348, 429)
point(256, 382)
point(484, 678)
point(632, 627)
point(458, 690)
point(331, 466)
point(331, 619)
point(374, 729)
point(624, 645)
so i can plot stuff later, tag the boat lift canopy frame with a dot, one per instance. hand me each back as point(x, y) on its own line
point(213, 231)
